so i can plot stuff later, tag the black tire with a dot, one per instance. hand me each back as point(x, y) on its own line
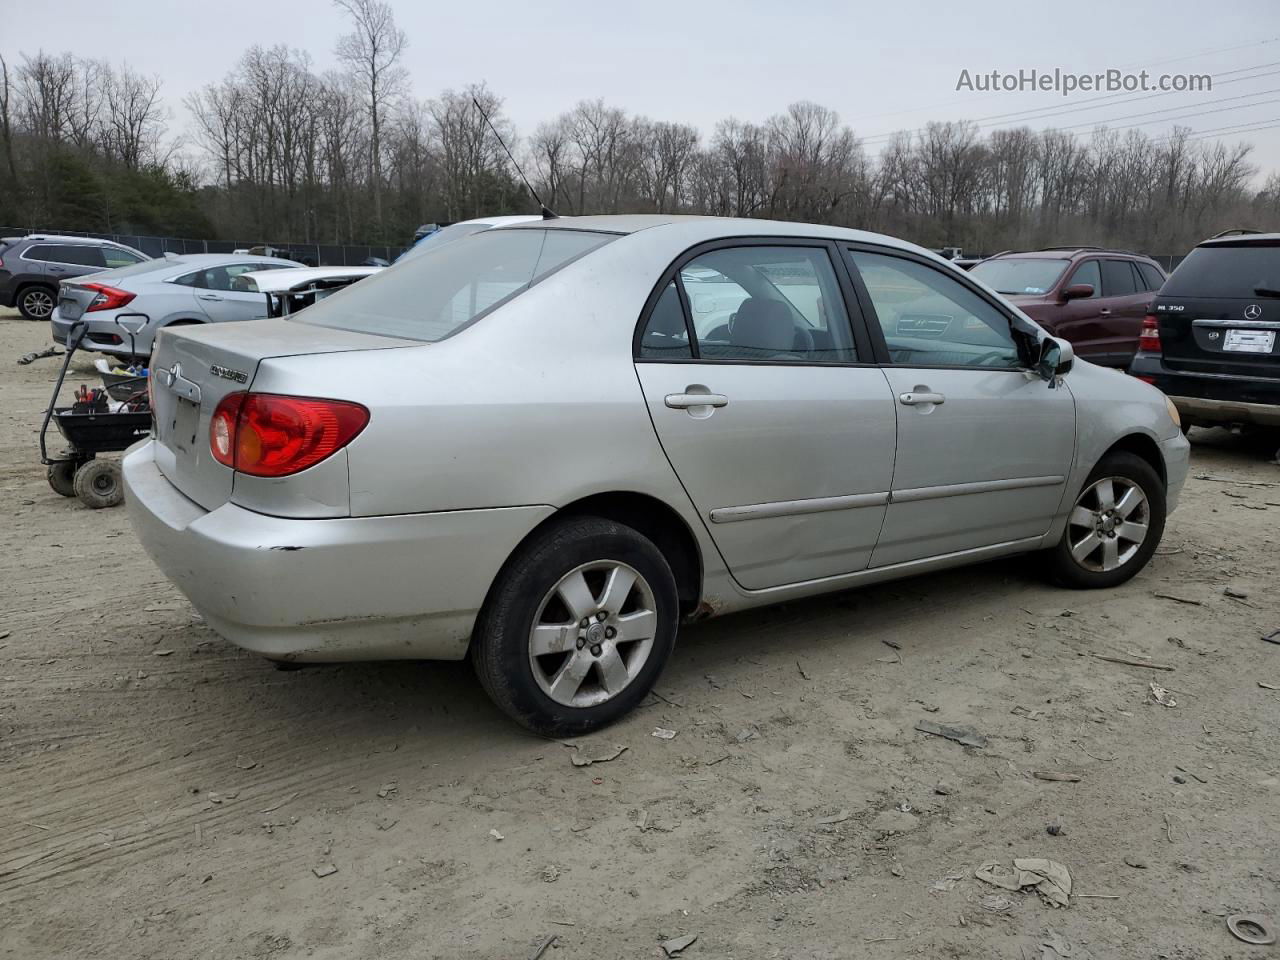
point(501, 641)
point(62, 477)
point(99, 484)
point(37, 302)
point(1063, 566)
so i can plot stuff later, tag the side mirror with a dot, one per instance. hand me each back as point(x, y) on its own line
point(1056, 358)
point(1077, 291)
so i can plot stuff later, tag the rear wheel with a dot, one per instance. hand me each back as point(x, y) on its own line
point(99, 484)
point(577, 627)
point(1114, 527)
point(36, 303)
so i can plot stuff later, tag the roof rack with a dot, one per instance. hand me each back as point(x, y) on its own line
point(1235, 232)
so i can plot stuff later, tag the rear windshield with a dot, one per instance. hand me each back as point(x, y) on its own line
point(1023, 276)
point(438, 239)
point(146, 266)
point(1226, 272)
point(430, 298)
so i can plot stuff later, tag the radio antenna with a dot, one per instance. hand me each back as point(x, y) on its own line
point(547, 212)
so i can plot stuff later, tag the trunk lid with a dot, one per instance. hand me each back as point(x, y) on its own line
point(193, 368)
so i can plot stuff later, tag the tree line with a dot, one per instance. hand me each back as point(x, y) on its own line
point(278, 151)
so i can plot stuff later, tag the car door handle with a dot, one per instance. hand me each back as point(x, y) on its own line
point(683, 401)
point(1104, 312)
point(208, 296)
point(911, 399)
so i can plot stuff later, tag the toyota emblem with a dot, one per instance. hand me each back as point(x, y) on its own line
point(1252, 312)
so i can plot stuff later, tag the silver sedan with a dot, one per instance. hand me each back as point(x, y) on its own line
point(544, 446)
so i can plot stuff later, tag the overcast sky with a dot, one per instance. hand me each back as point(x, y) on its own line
point(882, 65)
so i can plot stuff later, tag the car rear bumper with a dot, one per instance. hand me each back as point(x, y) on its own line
point(356, 588)
point(102, 336)
point(1205, 398)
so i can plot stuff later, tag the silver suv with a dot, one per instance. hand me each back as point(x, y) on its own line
point(31, 267)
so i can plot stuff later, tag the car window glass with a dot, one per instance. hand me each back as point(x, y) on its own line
point(115, 257)
point(931, 319)
point(665, 335)
point(81, 255)
point(1020, 276)
point(767, 303)
point(1224, 270)
point(1089, 273)
point(1151, 276)
point(1117, 279)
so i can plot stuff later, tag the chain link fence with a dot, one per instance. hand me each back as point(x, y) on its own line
point(312, 254)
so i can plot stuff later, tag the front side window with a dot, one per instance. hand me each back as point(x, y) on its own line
point(930, 319)
point(1088, 273)
point(767, 303)
point(429, 298)
point(1020, 276)
point(1117, 279)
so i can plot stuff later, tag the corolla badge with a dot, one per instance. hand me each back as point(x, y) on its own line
point(1252, 312)
point(226, 373)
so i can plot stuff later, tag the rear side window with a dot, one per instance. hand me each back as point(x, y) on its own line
point(665, 335)
point(117, 257)
point(1225, 271)
point(432, 297)
point(77, 254)
point(1118, 279)
point(1152, 278)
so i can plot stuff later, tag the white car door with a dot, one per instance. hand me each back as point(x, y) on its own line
point(984, 444)
point(776, 420)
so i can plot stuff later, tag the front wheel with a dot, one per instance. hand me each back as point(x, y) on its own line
point(1114, 527)
point(577, 627)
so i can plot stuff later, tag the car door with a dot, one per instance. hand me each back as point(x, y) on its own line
point(984, 445)
point(770, 408)
point(1126, 301)
point(1077, 321)
point(221, 300)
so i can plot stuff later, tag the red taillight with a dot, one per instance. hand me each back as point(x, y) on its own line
point(108, 298)
point(1149, 339)
point(1145, 379)
point(269, 435)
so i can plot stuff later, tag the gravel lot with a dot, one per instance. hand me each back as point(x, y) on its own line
point(163, 794)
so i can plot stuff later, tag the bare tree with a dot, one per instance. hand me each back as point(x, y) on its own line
point(372, 53)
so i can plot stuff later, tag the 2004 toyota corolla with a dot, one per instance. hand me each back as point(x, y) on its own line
point(544, 446)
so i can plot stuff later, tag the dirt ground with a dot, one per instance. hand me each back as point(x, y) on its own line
point(163, 794)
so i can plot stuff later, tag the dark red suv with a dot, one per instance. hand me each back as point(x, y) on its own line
point(1093, 297)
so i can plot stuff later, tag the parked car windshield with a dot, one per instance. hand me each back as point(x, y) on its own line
point(1023, 276)
point(1225, 271)
point(430, 298)
point(442, 236)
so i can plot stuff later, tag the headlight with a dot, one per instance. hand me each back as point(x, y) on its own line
point(1173, 413)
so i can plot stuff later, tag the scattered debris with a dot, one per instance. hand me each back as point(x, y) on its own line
point(1136, 863)
point(1250, 928)
point(995, 903)
point(276, 806)
point(161, 653)
point(1054, 830)
point(1242, 483)
point(1161, 696)
point(662, 733)
point(1272, 637)
point(28, 358)
point(1170, 596)
point(1049, 878)
point(673, 947)
point(1235, 593)
point(578, 760)
point(387, 789)
point(943, 789)
point(892, 643)
point(1134, 662)
point(840, 817)
point(1056, 776)
point(4, 634)
point(1177, 778)
point(324, 870)
point(962, 735)
point(1267, 686)
point(246, 763)
point(1021, 711)
point(946, 883)
point(748, 733)
point(543, 945)
point(903, 807)
point(496, 835)
point(1190, 773)
point(550, 873)
point(803, 675)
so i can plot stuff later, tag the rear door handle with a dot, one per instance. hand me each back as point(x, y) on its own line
point(911, 399)
point(208, 296)
point(683, 401)
point(1105, 312)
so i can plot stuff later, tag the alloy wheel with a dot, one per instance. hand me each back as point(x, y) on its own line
point(38, 303)
point(1108, 524)
point(593, 633)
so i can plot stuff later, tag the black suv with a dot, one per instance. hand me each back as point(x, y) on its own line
point(1209, 341)
point(31, 267)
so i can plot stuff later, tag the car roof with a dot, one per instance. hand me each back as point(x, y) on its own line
point(215, 259)
point(700, 229)
point(58, 238)
point(1242, 240)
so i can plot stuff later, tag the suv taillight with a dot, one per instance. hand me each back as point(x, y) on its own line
point(271, 435)
point(1149, 339)
point(108, 298)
